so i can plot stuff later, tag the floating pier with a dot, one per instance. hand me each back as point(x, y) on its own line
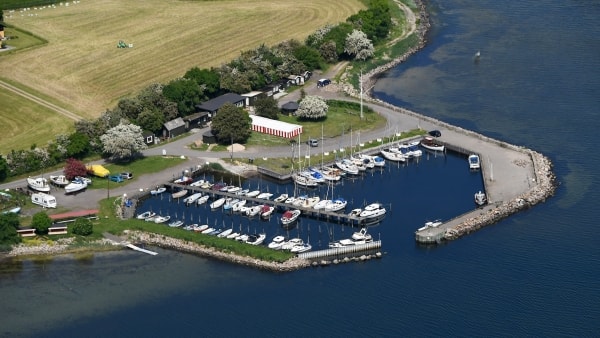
point(137, 248)
point(340, 251)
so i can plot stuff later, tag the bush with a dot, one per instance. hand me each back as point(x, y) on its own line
point(82, 227)
point(41, 222)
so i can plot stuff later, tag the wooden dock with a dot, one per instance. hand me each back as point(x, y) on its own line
point(330, 216)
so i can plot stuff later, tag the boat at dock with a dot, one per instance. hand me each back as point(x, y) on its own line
point(372, 212)
point(175, 224)
point(161, 219)
point(202, 200)
point(474, 162)
point(217, 203)
point(431, 144)
point(192, 198)
point(179, 194)
point(158, 191)
point(276, 243)
point(392, 156)
point(480, 198)
point(290, 216)
point(266, 211)
point(253, 211)
point(281, 198)
point(146, 214)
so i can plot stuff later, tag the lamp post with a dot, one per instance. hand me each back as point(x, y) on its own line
point(361, 96)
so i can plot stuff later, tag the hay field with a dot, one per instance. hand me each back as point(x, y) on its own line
point(81, 66)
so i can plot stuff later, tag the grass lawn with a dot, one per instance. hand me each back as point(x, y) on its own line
point(24, 122)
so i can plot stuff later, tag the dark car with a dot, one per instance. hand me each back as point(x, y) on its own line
point(323, 82)
point(435, 133)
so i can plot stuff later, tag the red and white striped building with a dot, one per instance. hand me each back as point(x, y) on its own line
point(273, 127)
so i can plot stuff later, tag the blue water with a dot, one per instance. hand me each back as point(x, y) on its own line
point(536, 84)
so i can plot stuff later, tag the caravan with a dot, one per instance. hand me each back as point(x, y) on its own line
point(45, 200)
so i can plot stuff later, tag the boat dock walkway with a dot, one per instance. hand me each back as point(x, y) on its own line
point(330, 216)
point(137, 248)
point(340, 251)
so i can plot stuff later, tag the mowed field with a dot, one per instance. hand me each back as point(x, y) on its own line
point(82, 67)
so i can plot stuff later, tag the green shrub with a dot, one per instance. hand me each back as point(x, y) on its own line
point(82, 227)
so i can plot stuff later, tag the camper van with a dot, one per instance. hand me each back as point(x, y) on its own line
point(45, 200)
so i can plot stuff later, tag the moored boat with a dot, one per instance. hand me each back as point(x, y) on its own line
point(253, 211)
point(480, 198)
point(281, 198)
point(474, 162)
point(431, 144)
point(175, 224)
point(266, 211)
point(372, 212)
point(192, 198)
point(202, 200)
point(217, 203)
point(161, 219)
point(276, 243)
point(146, 214)
point(290, 216)
point(179, 194)
point(158, 191)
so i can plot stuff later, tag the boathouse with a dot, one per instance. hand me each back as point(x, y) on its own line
point(273, 127)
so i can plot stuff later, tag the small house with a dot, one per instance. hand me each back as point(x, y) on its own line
point(296, 80)
point(252, 96)
point(196, 120)
point(212, 106)
point(148, 137)
point(173, 128)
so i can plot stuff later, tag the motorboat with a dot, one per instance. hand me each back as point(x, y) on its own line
point(233, 189)
point(207, 230)
point(158, 191)
point(200, 228)
point(161, 219)
point(216, 232)
point(256, 239)
point(480, 198)
point(413, 148)
point(242, 238)
point(179, 194)
point(301, 248)
point(238, 206)
point(39, 184)
point(202, 200)
point(292, 243)
point(276, 243)
point(290, 216)
point(336, 205)
point(226, 188)
point(312, 175)
point(175, 224)
point(372, 211)
point(362, 235)
point(75, 186)
point(322, 204)
point(184, 180)
point(43, 199)
point(347, 166)
point(206, 185)
point(192, 198)
point(146, 214)
point(233, 235)
point(84, 179)
point(253, 193)
point(253, 211)
point(230, 203)
point(392, 156)
point(326, 174)
point(474, 162)
point(432, 144)
point(300, 200)
point(355, 212)
point(266, 211)
point(225, 233)
point(59, 180)
point(217, 203)
point(264, 195)
point(281, 198)
point(311, 202)
point(290, 200)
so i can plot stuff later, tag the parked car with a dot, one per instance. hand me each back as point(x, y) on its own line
point(116, 178)
point(323, 82)
point(313, 142)
point(127, 175)
point(435, 133)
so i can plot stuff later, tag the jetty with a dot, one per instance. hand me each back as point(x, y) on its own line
point(137, 248)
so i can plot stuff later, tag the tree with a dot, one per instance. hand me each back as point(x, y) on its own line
point(207, 79)
point(3, 169)
point(123, 142)
point(309, 56)
point(359, 45)
point(82, 227)
point(8, 229)
point(74, 168)
point(41, 222)
point(312, 107)
point(186, 93)
point(231, 124)
point(79, 145)
point(151, 119)
point(267, 107)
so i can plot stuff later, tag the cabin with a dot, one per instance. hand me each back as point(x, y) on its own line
point(173, 128)
point(272, 89)
point(296, 80)
point(196, 120)
point(290, 108)
point(213, 106)
point(252, 97)
point(148, 137)
point(208, 137)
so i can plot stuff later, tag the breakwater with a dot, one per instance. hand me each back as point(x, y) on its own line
point(185, 246)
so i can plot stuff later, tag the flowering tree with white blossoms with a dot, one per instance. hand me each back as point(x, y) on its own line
point(359, 45)
point(123, 142)
point(312, 107)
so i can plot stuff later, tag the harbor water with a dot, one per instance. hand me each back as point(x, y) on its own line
point(535, 84)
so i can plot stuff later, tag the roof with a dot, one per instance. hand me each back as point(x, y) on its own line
point(174, 124)
point(291, 105)
point(196, 116)
point(252, 93)
point(216, 103)
point(274, 124)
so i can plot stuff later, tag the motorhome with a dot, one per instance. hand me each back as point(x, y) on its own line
point(45, 200)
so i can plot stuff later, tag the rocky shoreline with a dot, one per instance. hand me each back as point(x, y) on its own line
point(185, 246)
